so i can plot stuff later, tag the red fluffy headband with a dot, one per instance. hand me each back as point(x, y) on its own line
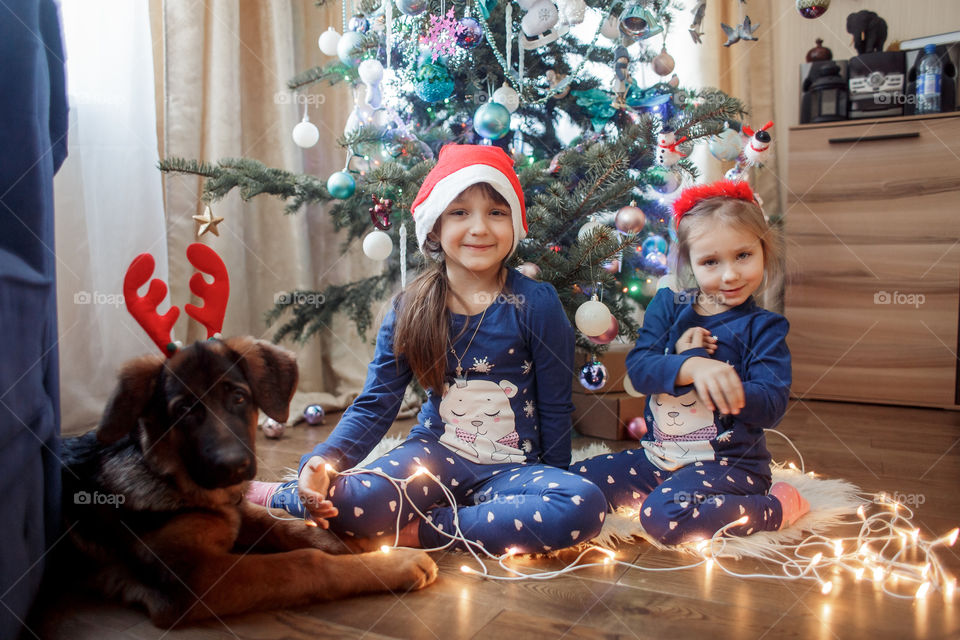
point(738, 190)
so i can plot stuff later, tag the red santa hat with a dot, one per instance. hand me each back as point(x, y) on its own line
point(458, 167)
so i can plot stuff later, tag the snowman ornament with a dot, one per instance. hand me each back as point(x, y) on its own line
point(667, 152)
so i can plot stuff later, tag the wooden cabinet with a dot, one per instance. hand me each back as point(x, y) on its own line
point(873, 260)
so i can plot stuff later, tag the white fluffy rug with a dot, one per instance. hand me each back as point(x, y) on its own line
point(832, 502)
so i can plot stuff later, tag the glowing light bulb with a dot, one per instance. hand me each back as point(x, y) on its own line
point(815, 559)
point(925, 571)
point(709, 564)
point(837, 548)
point(922, 590)
point(877, 574)
point(793, 466)
point(861, 512)
point(858, 574)
point(949, 586)
point(915, 534)
point(465, 568)
point(741, 520)
point(329, 468)
point(826, 587)
point(512, 551)
point(951, 537)
point(310, 523)
point(385, 549)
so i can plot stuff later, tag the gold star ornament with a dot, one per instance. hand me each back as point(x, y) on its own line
point(208, 222)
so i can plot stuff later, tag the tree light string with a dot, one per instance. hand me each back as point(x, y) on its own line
point(877, 553)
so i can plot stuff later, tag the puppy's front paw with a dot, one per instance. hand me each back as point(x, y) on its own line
point(412, 569)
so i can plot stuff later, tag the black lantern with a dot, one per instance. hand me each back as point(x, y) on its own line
point(824, 94)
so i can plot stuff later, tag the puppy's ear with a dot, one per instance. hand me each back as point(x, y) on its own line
point(271, 371)
point(136, 384)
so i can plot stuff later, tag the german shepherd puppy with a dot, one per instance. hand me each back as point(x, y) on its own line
point(155, 494)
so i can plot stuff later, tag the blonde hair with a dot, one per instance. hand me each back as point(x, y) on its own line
point(737, 213)
point(422, 330)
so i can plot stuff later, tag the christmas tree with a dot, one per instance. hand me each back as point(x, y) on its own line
point(503, 73)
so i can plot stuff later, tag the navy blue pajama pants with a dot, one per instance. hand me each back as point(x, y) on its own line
point(691, 503)
point(533, 507)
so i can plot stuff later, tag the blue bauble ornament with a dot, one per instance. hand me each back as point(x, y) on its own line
point(341, 185)
point(653, 244)
point(358, 23)
point(492, 120)
point(655, 261)
point(412, 7)
point(472, 33)
point(345, 48)
point(313, 415)
point(433, 82)
point(593, 375)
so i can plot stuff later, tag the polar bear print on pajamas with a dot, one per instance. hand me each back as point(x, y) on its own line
point(478, 421)
point(682, 430)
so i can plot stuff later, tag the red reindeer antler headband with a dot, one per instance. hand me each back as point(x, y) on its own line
point(738, 190)
point(144, 308)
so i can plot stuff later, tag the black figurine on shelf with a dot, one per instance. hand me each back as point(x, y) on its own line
point(819, 53)
point(869, 31)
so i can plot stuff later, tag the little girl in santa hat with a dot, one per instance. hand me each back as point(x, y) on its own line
point(494, 350)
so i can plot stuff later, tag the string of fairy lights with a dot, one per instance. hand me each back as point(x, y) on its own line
point(887, 550)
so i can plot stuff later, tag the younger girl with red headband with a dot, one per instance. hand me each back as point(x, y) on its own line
point(716, 369)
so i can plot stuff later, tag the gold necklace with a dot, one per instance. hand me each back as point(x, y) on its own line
point(461, 378)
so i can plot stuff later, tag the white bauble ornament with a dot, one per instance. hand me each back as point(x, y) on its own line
point(370, 71)
point(506, 96)
point(592, 318)
point(540, 16)
point(305, 134)
point(587, 229)
point(272, 429)
point(377, 245)
point(328, 41)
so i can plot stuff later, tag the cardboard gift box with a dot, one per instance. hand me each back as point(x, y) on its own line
point(606, 415)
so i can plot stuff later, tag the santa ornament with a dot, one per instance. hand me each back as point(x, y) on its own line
point(458, 167)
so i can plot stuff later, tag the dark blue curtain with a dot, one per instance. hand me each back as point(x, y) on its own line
point(33, 144)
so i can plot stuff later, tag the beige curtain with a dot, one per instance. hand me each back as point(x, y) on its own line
point(222, 80)
point(744, 70)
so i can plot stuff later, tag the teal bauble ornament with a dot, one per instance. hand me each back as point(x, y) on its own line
point(346, 48)
point(341, 185)
point(654, 244)
point(726, 145)
point(433, 82)
point(492, 120)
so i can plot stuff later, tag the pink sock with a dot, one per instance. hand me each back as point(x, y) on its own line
point(792, 503)
point(261, 492)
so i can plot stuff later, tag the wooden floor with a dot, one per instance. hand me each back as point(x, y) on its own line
point(912, 452)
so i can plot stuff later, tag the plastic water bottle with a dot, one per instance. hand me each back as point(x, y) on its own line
point(928, 81)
